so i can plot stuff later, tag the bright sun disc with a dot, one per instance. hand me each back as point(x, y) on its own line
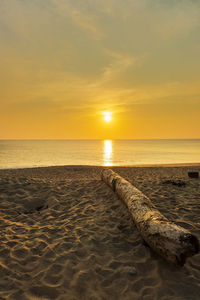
point(107, 116)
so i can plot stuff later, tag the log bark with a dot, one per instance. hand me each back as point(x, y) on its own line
point(169, 240)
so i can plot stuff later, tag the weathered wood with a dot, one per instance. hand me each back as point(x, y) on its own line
point(169, 240)
point(193, 174)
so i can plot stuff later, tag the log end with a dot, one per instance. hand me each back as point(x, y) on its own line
point(190, 245)
point(172, 242)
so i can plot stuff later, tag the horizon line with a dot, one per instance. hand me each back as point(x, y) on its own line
point(79, 139)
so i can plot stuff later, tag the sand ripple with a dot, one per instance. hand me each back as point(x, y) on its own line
point(69, 237)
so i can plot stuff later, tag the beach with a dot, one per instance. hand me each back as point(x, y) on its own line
point(66, 235)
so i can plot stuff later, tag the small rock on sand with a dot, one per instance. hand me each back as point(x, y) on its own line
point(133, 271)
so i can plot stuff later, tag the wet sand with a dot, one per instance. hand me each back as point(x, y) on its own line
point(65, 235)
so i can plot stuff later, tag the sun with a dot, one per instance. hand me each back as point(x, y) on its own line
point(107, 116)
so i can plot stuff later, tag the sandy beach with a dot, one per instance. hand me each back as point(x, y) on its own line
point(65, 235)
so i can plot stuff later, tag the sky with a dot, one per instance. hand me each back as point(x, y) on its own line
point(65, 62)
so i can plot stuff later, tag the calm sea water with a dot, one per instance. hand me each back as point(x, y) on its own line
point(39, 153)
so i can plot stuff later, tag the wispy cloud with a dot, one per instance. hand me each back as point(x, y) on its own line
point(85, 20)
point(88, 24)
point(118, 65)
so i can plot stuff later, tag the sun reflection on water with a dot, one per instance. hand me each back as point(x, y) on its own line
point(108, 153)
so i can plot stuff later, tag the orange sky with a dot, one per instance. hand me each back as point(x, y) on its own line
point(65, 62)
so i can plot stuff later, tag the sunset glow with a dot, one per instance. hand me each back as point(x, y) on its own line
point(64, 62)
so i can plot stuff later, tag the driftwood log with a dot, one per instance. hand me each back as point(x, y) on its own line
point(193, 174)
point(169, 240)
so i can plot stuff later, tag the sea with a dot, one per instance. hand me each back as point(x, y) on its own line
point(41, 153)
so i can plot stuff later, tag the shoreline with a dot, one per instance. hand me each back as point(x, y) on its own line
point(66, 235)
point(113, 166)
